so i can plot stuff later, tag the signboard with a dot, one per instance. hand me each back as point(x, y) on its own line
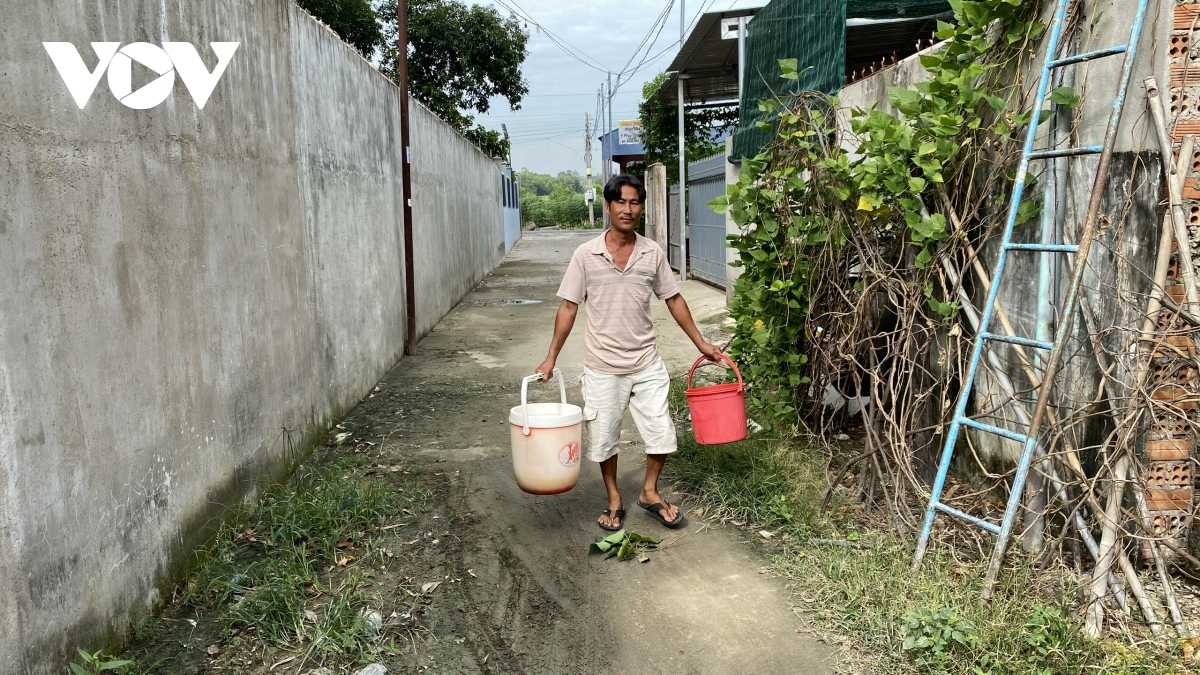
point(629, 132)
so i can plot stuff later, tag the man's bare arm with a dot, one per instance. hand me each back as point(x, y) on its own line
point(683, 316)
point(564, 321)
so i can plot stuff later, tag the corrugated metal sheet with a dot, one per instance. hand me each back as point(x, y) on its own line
point(706, 228)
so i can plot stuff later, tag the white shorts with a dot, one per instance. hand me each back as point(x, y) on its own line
point(605, 398)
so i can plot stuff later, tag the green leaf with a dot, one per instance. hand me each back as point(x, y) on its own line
point(616, 537)
point(904, 99)
point(115, 664)
point(789, 66)
point(1065, 96)
point(945, 309)
point(78, 669)
point(626, 551)
point(1027, 210)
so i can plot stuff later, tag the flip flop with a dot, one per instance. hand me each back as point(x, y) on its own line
point(610, 528)
point(656, 511)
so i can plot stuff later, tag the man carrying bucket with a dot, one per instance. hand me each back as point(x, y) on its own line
point(616, 274)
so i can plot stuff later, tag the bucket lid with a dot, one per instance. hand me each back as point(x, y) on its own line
point(547, 415)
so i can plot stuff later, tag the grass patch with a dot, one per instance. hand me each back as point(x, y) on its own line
point(288, 572)
point(931, 622)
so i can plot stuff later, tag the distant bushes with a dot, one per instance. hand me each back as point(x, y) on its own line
point(550, 201)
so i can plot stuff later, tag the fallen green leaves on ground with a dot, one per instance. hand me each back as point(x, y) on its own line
point(624, 545)
point(853, 575)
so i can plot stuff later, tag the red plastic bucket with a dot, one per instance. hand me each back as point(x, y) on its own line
point(719, 411)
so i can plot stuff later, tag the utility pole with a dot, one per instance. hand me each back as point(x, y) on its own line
point(609, 143)
point(410, 283)
point(683, 252)
point(587, 157)
point(504, 128)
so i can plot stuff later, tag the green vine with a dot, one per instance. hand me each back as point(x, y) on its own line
point(841, 250)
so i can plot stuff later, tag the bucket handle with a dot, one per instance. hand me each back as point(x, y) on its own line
point(703, 359)
point(562, 392)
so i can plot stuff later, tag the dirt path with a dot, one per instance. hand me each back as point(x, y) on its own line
point(531, 600)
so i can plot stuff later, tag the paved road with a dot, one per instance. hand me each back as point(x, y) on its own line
point(535, 602)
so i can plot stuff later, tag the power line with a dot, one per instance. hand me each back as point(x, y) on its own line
point(641, 64)
point(658, 25)
point(696, 19)
point(519, 116)
point(566, 47)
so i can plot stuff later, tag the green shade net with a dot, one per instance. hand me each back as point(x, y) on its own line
point(814, 33)
point(895, 9)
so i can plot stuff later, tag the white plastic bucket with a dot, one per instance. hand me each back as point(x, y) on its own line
point(546, 442)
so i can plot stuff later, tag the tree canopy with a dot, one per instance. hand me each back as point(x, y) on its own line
point(660, 129)
point(459, 56)
point(354, 20)
point(549, 201)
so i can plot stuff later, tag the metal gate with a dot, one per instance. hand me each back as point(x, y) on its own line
point(706, 228)
point(673, 256)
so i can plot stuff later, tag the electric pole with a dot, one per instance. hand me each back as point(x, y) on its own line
point(683, 249)
point(610, 143)
point(587, 157)
point(410, 283)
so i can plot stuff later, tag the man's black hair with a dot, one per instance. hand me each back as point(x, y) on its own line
point(612, 191)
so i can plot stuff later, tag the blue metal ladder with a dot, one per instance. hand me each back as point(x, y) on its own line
point(1029, 439)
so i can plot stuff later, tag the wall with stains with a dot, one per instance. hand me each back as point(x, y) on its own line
point(457, 201)
point(178, 284)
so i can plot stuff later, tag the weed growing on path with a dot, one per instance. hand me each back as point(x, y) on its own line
point(293, 577)
point(99, 662)
point(853, 575)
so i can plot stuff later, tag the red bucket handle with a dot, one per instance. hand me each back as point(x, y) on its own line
point(704, 359)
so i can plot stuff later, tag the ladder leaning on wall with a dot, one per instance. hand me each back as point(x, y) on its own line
point(983, 338)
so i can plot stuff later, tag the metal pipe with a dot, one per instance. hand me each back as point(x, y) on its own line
point(741, 57)
point(1035, 500)
point(410, 283)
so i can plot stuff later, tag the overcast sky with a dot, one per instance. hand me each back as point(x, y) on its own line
point(547, 131)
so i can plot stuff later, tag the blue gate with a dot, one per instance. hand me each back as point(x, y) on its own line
point(706, 228)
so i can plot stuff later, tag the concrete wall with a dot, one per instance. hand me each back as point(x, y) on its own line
point(1131, 204)
point(176, 284)
point(457, 201)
